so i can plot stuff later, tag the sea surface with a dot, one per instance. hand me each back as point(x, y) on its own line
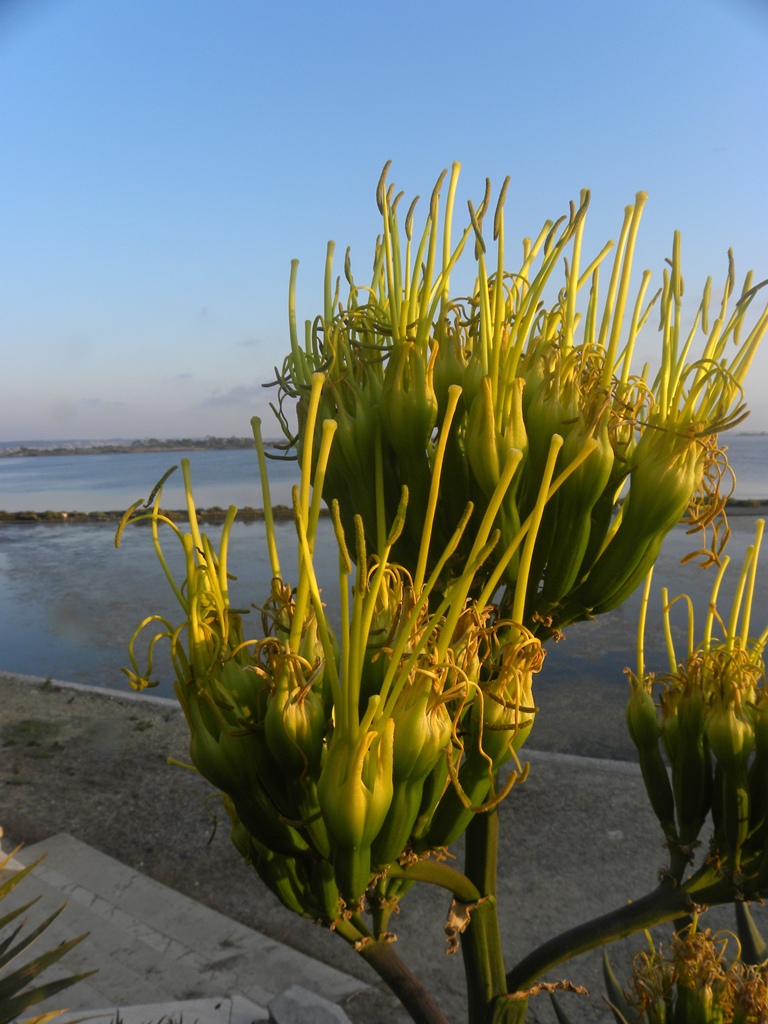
point(106, 483)
point(69, 601)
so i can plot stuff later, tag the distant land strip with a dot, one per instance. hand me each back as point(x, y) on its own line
point(734, 507)
point(151, 444)
point(213, 514)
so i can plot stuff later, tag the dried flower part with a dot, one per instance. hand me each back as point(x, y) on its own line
point(699, 978)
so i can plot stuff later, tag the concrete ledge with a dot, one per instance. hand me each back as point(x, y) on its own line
point(235, 1010)
point(156, 949)
point(169, 703)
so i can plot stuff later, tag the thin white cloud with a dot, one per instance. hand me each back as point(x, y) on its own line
point(64, 409)
point(242, 394)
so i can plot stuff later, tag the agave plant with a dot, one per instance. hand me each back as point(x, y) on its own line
point(18, 991)
point(495, 470)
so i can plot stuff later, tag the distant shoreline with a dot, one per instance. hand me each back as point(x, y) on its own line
point(114, 516)
point(152, 444)
point(37, 449)
point(734, 507)
point(204, 515)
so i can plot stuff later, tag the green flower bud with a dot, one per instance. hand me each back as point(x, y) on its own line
point(421, 732)
point(758, 771)
point(238, 834)
point(349, 476)
point(472, 380)
point(482, 440)
point(324, 891)
point(661, 486)
point(354, 793)
point(536, 370)
point(553, 409)
point(240, 692)
point(310, 646)
point(295, 721)
point(288, 879)
point(432, 791)
point(643, 726)
point(669, 726)
point(227, 757)
point(422, 735)
point(408, 405)
point(731, 734)
point(696, 1005)
point(663, 480)
point(575, 502)
point(642, 721)
point(693, 772)
point(449, 367)
point(355, 786)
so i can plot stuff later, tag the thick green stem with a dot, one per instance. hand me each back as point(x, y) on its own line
point(438, 874)
point(509, 1011)
point(679, 859)
point(408, 989)
point(481, 940)
point(665, 903)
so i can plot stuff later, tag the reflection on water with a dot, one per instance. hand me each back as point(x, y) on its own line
point(69, 603)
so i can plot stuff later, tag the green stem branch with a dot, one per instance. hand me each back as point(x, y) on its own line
point(438, 874)
point(405, 985)
point(665, 903)
point(481, 940)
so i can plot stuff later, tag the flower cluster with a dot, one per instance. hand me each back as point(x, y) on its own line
point(712, 724)
point(527, 371)
point(341, 755)
point(694, 981)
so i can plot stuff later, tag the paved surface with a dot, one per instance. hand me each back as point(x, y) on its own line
point(156, 950)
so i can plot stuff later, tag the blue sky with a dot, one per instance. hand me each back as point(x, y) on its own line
point(162, 161)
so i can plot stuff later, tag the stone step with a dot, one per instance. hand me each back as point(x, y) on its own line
point(153, 946)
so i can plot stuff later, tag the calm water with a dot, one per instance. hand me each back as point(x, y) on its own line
point(104, 483)
point(69, 601)
point(99, 483)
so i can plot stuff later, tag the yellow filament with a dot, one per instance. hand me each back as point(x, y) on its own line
point(759, 527)
point(641, 625)
point(269, 522)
